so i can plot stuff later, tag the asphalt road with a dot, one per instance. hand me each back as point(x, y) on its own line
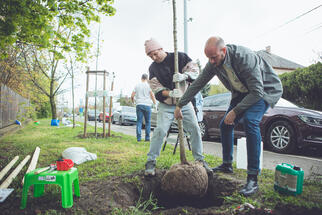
point(310, 160)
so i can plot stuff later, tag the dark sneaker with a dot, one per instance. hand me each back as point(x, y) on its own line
point(150, 168)
point(205, 165)
point(225, 167)
point(251, 187)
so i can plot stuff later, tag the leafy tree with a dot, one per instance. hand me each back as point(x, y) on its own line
point(13, 75)
point(35, 22)
point(125, 101)
point(47, 30)
point(304, 86)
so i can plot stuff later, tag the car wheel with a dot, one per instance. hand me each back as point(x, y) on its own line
point(203, 130)
point(113, 122)
point(281, 137)
point(120, 121)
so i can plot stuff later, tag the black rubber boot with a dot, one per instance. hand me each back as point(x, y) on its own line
point(250, 187)
point(225, 167)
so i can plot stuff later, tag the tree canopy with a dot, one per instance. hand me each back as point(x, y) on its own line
point(44, 22)
point(36, 34)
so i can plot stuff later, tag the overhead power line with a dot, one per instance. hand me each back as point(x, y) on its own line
point(314, 28)
point(288, 22)
point(297, 17)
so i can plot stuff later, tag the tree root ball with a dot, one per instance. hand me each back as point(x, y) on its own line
point(188, 180)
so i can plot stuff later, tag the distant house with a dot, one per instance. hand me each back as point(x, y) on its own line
point(281, 65)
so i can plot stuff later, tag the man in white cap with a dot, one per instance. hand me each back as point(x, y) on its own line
point(162, 82)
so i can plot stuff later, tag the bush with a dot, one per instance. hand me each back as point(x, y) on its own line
point(43, 110)
point(304, 86)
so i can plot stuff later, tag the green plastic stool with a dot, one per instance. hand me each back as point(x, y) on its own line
point(64, 179)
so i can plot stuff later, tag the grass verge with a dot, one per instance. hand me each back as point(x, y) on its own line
point(122, 155)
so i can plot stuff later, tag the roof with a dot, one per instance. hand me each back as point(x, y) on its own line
point(278, 62)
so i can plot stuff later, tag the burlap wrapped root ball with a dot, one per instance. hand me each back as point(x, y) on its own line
point(186, 180)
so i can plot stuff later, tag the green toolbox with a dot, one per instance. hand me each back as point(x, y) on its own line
point(288, 179)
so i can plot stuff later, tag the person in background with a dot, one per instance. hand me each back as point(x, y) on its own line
point(254, 86)
point(143, 97)
point(197, 103)
point(162, 81)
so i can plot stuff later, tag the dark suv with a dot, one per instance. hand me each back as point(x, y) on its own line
point(283, 128)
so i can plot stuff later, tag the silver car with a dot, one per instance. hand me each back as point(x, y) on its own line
point(124, 115)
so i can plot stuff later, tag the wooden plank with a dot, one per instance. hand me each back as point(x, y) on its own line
point(15, 172)
point(8, 167)
point(33, 162)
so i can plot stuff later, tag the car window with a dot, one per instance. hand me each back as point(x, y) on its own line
point(284, 103)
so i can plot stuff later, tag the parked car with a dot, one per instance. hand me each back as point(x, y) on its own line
point(284, 128)
point(154, 113)
point(100, 117)
point(124, 115)
point(91, 115)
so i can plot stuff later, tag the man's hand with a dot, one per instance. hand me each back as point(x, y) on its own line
point(178, 77)
point(175, 93)
point(230, 118)
point(178, 113)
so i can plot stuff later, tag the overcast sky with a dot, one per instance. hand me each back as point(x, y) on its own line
point(251, 23)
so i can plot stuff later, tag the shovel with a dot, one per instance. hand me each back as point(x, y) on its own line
point(4, 190)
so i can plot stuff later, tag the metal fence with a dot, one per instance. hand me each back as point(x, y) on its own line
point(12, 106)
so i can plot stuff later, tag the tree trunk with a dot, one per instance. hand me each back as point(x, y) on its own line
point(176, 70)
point(53, 107)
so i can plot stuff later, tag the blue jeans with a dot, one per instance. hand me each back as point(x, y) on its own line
point(251, 120)
point(143, 110)
point(190, 125)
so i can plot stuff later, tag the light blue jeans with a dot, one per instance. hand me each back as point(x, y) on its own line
point(190, 124)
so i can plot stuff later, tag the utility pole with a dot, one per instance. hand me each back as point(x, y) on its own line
point(98, 47)
point(185, 26)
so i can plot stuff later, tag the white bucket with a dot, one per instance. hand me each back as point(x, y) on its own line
point(241, 160)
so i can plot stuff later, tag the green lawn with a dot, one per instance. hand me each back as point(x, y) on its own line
point(121, 155)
